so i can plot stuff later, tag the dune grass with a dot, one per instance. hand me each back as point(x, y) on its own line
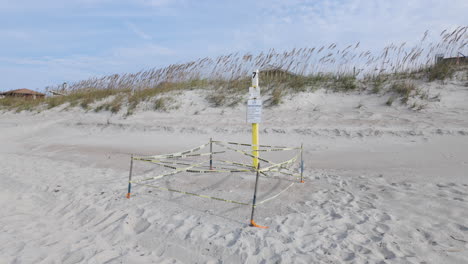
point(335, 67)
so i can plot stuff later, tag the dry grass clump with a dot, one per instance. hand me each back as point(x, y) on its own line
point(223, 97)
point(440, 71)
point(345, 83)
point(163, 104)
point(160, 104)
point(145, 95)
point(114, 105)
point(403, 89)
point(378, 83)
point(19, 104)
point(217, 99)
point(390, 100)
point(83, 98)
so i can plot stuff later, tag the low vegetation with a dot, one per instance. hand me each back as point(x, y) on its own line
point(403, 89)
point(440, 71)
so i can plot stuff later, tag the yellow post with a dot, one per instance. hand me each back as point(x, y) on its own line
point(255, 94)
point(255, 144)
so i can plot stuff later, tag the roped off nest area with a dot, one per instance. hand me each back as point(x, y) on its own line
point(252, 161)
point(226, 159)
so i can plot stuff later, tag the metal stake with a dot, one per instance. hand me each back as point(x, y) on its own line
point(130, 177)
point(211, 153)
point(302, 164)
point(252, 222)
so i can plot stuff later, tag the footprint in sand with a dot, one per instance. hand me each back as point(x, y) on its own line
point(141, 226)
point(386, 252)
point(381, 228)
point(73, 257)
point(382, 217)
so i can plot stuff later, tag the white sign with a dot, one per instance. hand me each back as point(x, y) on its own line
point(254, 111)
point(254, 92)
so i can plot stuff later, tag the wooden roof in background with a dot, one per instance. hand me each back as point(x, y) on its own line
point(22, 91)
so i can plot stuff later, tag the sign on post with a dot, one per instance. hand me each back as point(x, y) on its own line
point(254, 104)
point(254, 111)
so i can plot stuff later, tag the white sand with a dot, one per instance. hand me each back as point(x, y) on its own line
point(383, 185)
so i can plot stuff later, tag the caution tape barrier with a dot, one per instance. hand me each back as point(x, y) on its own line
point(194, 194)
point(170, 161)
point(275, 196)
point(182, 153)
point(246, 145)
point(177, 156)
point(217, 198)
point(243, 152)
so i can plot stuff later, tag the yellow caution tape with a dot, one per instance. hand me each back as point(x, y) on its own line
point(175, 154)
point(168, 174)
point(276, 195)
point(278, 165)
point(242, 152)
point(275, 149)
point(247, 145)
point(194, 194)
point(236, 163)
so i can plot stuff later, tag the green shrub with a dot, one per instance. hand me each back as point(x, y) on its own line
point(345, 83)
point(160, 104)
point(378, 83)
point(217, 99)
point(404, 90)
point(440, 71)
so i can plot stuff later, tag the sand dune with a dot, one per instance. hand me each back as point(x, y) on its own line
point(382, 185)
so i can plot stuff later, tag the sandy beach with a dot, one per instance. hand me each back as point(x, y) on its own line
point(382, 184)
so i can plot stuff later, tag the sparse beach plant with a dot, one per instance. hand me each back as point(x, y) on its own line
point(390, 100)
point(276, 96)
point(160, 104)
point(440, 71)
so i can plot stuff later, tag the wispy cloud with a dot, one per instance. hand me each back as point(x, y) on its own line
point(161, 3)
point(135, 29)
point(148, 51)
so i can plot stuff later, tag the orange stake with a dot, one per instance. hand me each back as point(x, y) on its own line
point(130, 177)
point(252, 222)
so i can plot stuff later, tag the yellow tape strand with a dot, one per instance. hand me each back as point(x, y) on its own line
point(245, 144)
point(236, 163)
point(194, 194)
point(176, 157)
point(276, 195)
point(168, 174)
point(243, 152)
point(174, 154)
point(275, 149)
point(278, 165)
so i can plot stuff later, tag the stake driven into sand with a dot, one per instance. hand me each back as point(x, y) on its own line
point(254, 116)
point(254, 111)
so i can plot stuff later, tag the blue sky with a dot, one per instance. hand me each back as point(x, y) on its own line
point(49, 42)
